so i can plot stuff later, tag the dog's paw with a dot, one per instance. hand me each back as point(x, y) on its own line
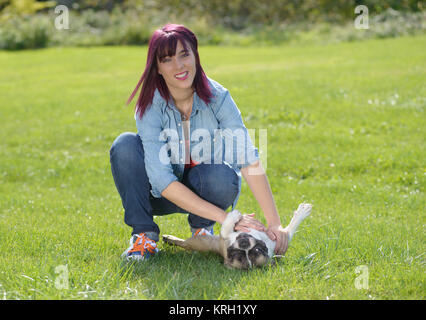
point(170, 239)
point(228, 225)
point(234, 216)
point(174, 241)
point(303, 210)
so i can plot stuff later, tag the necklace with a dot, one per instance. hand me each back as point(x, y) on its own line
point(185, 115)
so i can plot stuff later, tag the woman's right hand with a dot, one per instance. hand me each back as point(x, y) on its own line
point(248, 222)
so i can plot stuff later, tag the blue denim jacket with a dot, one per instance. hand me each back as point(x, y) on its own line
point(217, 131)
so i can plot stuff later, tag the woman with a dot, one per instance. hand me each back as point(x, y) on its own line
point(190, 150)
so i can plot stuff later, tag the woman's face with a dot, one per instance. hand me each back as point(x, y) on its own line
point(179, 70)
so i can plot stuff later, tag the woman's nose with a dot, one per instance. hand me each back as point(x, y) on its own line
point(178, 63)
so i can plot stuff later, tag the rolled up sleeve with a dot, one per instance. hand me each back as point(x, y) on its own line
point(157, 164)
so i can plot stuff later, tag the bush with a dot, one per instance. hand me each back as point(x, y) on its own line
point(25, 33)
point(92, 28)
point(387, 24)
point(103, 28)
point(393, 23)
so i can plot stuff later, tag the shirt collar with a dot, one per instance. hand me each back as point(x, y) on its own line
point(197, 104)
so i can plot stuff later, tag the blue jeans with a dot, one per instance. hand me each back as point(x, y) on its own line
point(215, 183)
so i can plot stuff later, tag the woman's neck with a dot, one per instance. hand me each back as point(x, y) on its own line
point(183, 100)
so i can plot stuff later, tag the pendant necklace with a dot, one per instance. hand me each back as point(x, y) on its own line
point(185, 117)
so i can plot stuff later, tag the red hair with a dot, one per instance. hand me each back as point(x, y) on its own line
point(163, 43)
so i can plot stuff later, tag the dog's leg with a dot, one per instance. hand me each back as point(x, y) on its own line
point(208, 242)
point(227, 228)
point(199, 243)
point(228, 225)
point(174, 240)
point(300, 214)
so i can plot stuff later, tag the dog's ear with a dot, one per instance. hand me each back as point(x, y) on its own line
point(227, 264)
point(274, 260)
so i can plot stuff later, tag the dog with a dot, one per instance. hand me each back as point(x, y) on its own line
point(241, 250)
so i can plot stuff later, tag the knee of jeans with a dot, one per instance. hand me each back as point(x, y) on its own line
point(217, 184)
point(126, 149)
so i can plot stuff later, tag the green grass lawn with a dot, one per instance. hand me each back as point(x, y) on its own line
point(346, 132)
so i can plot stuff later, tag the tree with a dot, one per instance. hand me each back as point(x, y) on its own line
point(10, 8)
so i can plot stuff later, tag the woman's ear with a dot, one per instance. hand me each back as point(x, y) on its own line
point(157, 67)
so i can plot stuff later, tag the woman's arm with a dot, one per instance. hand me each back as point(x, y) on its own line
point(259, 186)
point(186, 199)
point(258, 183)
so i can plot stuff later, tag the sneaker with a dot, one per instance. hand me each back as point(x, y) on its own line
point(141, 248)
point(202, 232)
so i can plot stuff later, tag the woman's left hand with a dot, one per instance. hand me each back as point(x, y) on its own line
point(248, 222)
point(279, 235)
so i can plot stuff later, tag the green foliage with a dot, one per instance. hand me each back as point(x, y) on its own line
point(25, 33)
point(215, 22)
point(13, 8)
point(239, 14)
point(91, 28)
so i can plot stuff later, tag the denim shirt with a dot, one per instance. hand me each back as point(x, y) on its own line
point(217, 135)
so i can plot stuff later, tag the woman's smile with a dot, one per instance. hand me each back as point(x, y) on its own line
point(182, 76)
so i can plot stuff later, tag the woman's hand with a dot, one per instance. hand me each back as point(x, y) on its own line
point(279, 235)
point(248, 221)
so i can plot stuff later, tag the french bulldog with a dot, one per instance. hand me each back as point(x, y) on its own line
point(241, 250)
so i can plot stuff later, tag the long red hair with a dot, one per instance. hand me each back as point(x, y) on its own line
point(163, 43)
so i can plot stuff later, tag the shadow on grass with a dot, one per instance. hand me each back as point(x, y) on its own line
point(175, 273)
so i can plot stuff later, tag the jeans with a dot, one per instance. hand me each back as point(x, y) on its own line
point(215, 183)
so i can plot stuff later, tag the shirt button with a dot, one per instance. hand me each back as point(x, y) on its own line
point(179, 124)
point(181, 160)
point(180, 141)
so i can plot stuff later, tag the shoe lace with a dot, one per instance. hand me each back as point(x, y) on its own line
point(201, 232)
point(143, 243)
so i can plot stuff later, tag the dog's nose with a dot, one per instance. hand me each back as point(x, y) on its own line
point(243, 243)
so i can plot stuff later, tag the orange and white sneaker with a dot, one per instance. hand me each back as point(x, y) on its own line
point(202, 232)
point(141, 248)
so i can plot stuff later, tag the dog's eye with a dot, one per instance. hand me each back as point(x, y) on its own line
point(236, 254)
point(261, 246)
point(258, 256)
point(259, 249)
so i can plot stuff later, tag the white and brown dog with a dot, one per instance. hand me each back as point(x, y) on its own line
point(241, 250)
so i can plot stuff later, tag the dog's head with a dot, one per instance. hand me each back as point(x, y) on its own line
point(246, 252)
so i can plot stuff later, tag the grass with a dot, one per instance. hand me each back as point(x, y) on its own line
point(346, 132)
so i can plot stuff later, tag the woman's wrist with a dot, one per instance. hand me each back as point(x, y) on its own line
point(221, 217)
point(273, 221)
